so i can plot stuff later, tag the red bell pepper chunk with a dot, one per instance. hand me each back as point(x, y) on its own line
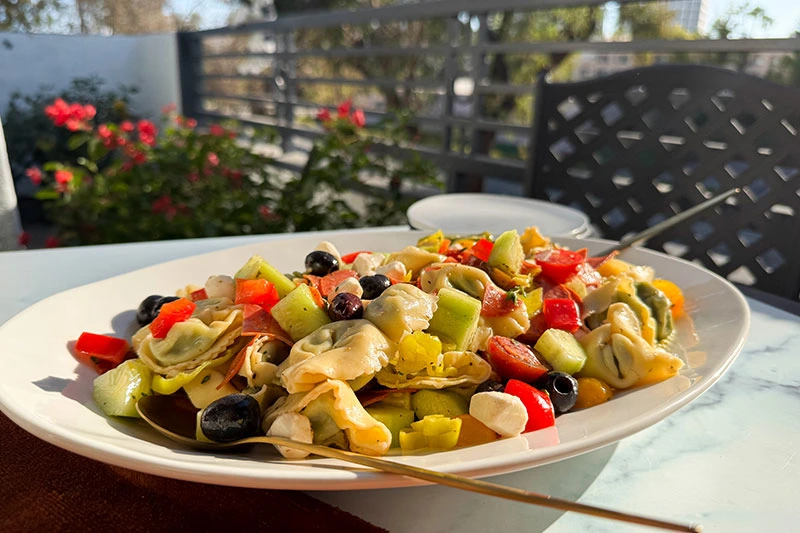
point(559, 265)
point(171, 313)
point(512, 359)
point(540, 409)
point(101, 352)
point(198, 295)
point(482, 249)
point(561, 313)
point(349, 258)
point(256, 291)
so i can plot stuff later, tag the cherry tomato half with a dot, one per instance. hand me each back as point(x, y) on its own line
point(540, 409)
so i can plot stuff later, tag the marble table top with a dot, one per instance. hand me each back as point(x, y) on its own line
point(727, 461)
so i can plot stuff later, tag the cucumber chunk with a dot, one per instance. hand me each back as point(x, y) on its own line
point(258, 268)
point(456, 318)
point(561, 350)
point(298, 314)
point(393, 417)
point(438, 402)
point(507, 253)
point(118, 390)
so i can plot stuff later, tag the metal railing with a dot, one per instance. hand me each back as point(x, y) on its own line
point(276, 95)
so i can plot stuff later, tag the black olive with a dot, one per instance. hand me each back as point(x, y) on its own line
point(374, 285)
point(321, 263)
point(345, 306)
point(231, 418)
point(562, 388)
point(490, 386)
point(149, 308)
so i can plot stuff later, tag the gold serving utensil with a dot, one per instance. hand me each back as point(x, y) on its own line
point(654, 230)
point(175, 418)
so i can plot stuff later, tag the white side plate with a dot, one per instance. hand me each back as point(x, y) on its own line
point(473, 213)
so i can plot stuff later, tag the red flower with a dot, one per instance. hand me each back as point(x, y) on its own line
point(147, 132)
point(324, 115)
point(217, 131)
point(127, 126)
point(358, 118)
point(190, 123)
point(24, 238)
point(73, 124)
point(193, 177)
point(164, 205)
point(266, 213)
point(89, 111)
point(58, 112)
point(169, 108)
point(344, 108)
point(63, 177)
point(35, 175)
point(104, 132)
point(52, 242)
point(212, 158)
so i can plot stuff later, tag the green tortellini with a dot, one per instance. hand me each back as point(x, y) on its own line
point(619, 355)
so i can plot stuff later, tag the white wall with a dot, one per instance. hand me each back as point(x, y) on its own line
point(149, 62)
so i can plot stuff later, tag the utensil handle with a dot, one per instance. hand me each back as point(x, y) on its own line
point(668, 223)
point(475, 485)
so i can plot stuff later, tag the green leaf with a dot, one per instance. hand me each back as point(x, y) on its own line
point(77, 140)
point(46, 195)
point(91, 166)
point(51, 166)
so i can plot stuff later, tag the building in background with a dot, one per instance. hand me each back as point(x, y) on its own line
point(691, 15)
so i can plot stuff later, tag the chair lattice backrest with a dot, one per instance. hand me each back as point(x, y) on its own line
point(636, 147)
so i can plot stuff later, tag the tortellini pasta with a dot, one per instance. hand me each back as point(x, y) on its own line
point(415, 259)
point(619, 355)
point(470, 280)
point(364, 434)
point(342, 350)
point(208, 333)
point(401, 309)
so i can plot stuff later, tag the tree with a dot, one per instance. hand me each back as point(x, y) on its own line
point(113, 17)
point(739, 22)
point(27, 15)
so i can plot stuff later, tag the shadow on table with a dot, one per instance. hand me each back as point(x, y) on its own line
point(435, 509)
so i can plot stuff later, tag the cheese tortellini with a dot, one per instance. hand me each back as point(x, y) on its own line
point(401, 309)
point(342, 350)
point(214, 326)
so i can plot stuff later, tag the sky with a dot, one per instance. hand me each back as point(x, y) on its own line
point(786, 13)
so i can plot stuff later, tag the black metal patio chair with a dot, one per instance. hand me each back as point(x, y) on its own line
point(635, 147)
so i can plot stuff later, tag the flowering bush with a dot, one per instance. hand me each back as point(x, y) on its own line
point(138, 183)
point(350, 157)
point(135, 184)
